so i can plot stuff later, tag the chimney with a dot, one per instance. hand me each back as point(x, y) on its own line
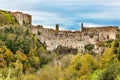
point(57, 27)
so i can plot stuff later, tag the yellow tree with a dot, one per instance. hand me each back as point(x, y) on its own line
point(107, 57)
point(88, 64)
point(21, 56)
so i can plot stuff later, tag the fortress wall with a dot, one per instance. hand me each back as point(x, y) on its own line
point(27, 19)
point(76, 39)
point(19, 17)
point(71, 39)
point(99, 29)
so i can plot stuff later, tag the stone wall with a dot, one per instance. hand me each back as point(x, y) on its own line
point(71, 39)
point(22, 18)
point(74, 39)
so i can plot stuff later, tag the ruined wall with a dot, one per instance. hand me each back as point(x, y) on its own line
point(28, 19)
point(108, 32)
point(76, 39)
point(23, 19)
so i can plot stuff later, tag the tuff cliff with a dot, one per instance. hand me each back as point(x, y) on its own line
point(75, 39)
point(54, 38)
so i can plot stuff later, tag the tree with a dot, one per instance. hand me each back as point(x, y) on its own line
point(111, 72)
point(107, 57)
point(89, 64)
point(21, 56)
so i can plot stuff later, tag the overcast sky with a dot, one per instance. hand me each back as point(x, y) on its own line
point(68, 13)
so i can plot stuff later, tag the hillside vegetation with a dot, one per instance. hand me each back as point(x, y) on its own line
point(20, 53)
point(6, 18)
point(83, 67)
point(24, 57)
point(88, 66)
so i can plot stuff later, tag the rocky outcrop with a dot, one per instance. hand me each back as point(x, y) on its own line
point(22, 18)
point(75, 39)
point(54, 38)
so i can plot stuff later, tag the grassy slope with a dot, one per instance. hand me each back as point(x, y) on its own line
point(6, 18)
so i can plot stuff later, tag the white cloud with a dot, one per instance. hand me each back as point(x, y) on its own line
point(53, 27)
point(49, 18)
point(18, 4)
point(105, 14)
point(81, 2)
point(85, 24)
point(92, 9)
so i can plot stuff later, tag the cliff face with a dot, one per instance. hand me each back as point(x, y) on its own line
point(54, 38)
point(23, 19)
point(76, 39)
point(8, 17)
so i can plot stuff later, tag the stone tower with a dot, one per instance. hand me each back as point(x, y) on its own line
point(57, 27)
point(22, 18)
point(81, 26)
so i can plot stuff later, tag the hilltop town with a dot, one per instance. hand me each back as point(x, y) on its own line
point(71, 39)
point(29, 52)
point(75, 39)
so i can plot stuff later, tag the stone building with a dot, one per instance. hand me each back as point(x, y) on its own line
point(71, 39)
point(75, 39)
point(23, 19)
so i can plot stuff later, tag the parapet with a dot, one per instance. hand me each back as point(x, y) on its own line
point(99, 29)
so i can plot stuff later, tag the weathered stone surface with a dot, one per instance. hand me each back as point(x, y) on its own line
point(71, 39)
point(75, 39)
point(22, 18)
